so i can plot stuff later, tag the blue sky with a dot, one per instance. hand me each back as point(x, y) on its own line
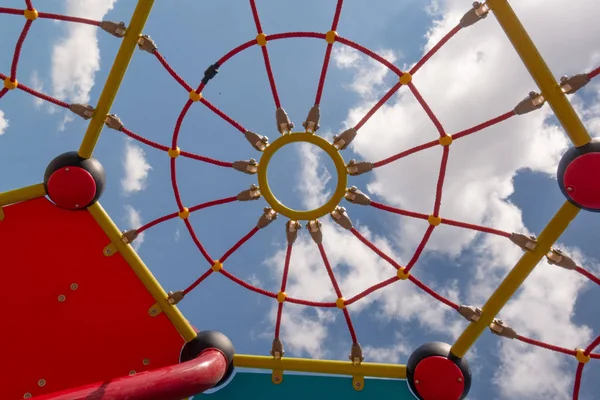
point(502, 177)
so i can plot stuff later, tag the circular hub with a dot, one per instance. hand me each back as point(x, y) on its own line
point(71, 188)
point(438, 378)
point(336, 157)
point(582, 180)
point(578, 176)
point(433, 373)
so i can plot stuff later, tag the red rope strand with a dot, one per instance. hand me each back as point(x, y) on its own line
point(433, 293)
point(171, 71)
point(239, 244)
point(338, 292)
point(434, 49)
point(428, 111)
point(378, 105)
point(18, 48)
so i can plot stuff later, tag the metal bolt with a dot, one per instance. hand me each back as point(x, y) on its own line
point(67, 169)
point(277, 379)
point(357, 384)
point(62, 298)
point(27, 395)
point(107, 251)
point(42, 383)
point(569, 189)
point(76, 205)
point(74, 286)
point(132, 372)
point(417, 382)
point(460, 379)
point(146, 361)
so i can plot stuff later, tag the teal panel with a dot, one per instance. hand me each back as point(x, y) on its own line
point(249, 385)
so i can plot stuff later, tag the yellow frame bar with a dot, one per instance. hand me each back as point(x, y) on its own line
point(516, 277)
point(115, 77)
point(540, 72)
point(19, 195)
point(143, 273)
point(375, 370)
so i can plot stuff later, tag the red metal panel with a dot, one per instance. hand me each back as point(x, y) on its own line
point(102, 329)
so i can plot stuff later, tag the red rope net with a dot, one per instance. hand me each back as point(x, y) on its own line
point(213, 263)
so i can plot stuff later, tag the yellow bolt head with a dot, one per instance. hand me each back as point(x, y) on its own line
point(31, 14)
point(185, 214)
point(340, 303)
point(281, 296)
point(174, 153)
point(446, 140)
point(405, 78)
point(10, 85)
point(581, 357)
point(195, 96)
point(261, 39)
point(402, 275)
point(217, 266)
point(433, 220)
point(330, 37)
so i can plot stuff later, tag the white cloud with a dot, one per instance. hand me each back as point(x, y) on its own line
point(76, 56)
point(134, 221)
point(3, 123)
point(464, 86)
point(369, 73)
point(136, 168)
point(38, 86)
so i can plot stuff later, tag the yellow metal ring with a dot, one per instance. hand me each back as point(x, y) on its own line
point(336, 157)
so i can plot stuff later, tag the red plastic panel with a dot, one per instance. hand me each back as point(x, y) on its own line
point(102, 329)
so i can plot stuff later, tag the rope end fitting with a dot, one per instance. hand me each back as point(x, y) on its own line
point(116, 29)
point(259, 142)
point(85, 111)
point(312, 120)
point(146, 43)
point(342, 140)
point(249, 167)
point(269, 215)
point(291, 231)
point(478, 12)
point(284, 125)
point(249, 194)
point(500, 328)
point(314, 228)
point(355, 168)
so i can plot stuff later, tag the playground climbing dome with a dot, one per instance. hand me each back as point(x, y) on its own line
point(67, 200)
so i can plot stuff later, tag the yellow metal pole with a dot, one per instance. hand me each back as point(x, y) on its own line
point(516, 277)
point(321, 366)
point(142, 271)
point(540, 72)
point(115, 77)
point(18, 195)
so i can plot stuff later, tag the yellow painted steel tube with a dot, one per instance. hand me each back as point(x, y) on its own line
point(540, 72)
point(19, 195)
point(115, 77)
point(321, 366)
point(515, 278)
point(142, 272)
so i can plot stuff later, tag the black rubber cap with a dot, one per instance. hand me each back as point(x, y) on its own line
point(72, 159)
point(436, 349)
point(210, 340)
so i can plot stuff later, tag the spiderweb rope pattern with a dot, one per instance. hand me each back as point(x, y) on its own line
point(402, 273)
